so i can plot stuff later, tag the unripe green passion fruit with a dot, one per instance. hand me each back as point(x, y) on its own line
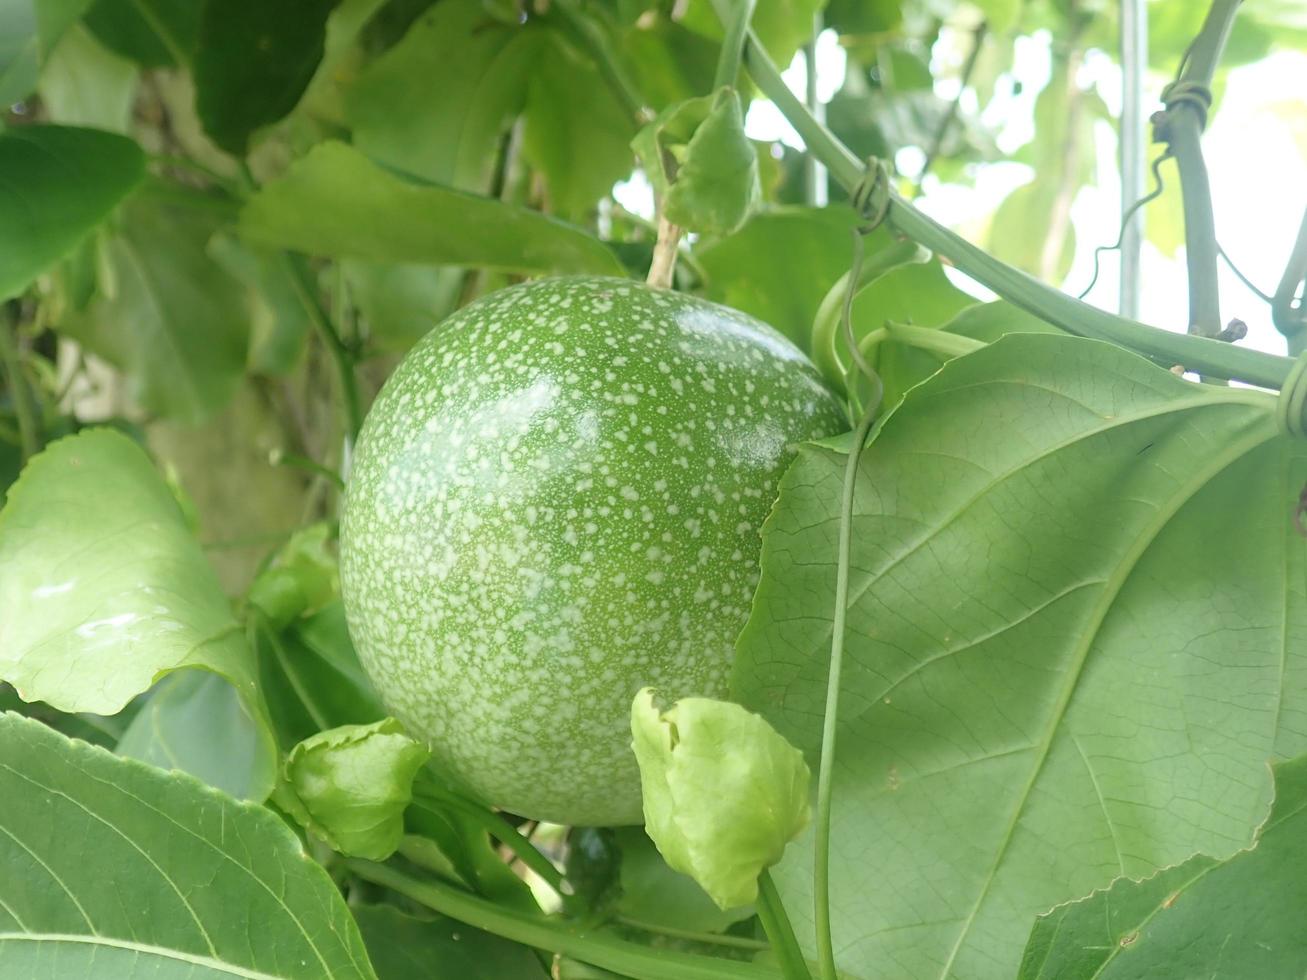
point(556, 501)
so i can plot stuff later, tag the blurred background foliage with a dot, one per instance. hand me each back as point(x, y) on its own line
point(358, 169)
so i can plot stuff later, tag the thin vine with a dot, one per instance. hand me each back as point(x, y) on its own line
point(1211, 357)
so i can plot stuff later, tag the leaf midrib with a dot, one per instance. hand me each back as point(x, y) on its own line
point(142, 948)
point(1113, 586)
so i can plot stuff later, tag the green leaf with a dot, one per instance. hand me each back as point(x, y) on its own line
point(655, 895)
point(669, 63)
point(703, 168)
point(781, 25)
point(1051, 678)
point(103, 590)
point(350, 786)
point(152, 33)
point(312, 679)
point(101, 730)
point(301, 578)
point(401, 303)
point(437, 104)
point(404, 947)
point(1218, 920)
point(83, 83)
point(569, 105)
point(1164, 217)
point(1000, 15)
point(864, 16)
point(279, 324)
point(253, 61)
point(336, 202)
point(1019, 233)
point(723, 793)
point(780, 265)
point(195, 721)
point(114, 869)
point(64, 181)
point(915, 292)
point(594, 868)
point(901, 365)
point(29, 31)
point(170, 317)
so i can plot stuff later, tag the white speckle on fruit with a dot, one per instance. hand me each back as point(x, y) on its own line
point(556, 500)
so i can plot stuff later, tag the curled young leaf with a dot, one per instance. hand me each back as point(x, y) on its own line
point(301, 579)
point(723, 792)
point(700, 162)
point(350, 786)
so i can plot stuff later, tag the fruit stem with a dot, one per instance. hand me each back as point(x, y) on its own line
point(771, 910)
point(1211, 357)
point(572, 939)
point(663, 266)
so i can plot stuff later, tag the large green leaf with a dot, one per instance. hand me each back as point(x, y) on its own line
point(103, 590)
point(570, 106)
point(404, 947)
point(1076, 597)
point(58, 183)
point(172, 319)
point(437, 104)
point(150, 32)
point(1220, 921)
point(114, 869)
point(780, 265)
point(253, 60)
point(336, 202)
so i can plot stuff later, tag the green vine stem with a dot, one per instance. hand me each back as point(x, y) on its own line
point(936, 341)
point(297, 275)
point(498, 828)
point(824, 338)
point(1182, 129)
point(28, 433)
point(341, 356)
point(1289, 319)
point(771, 910)
point(574, 939)
point(1211, 357)
point(826, 769)
point(737, 29)
point(710, 938)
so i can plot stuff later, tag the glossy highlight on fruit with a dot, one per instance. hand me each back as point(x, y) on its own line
point(555, 501)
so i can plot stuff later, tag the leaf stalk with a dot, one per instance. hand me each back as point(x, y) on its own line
point(574, 939)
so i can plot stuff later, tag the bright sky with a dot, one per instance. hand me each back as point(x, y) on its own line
point(1256, 149)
